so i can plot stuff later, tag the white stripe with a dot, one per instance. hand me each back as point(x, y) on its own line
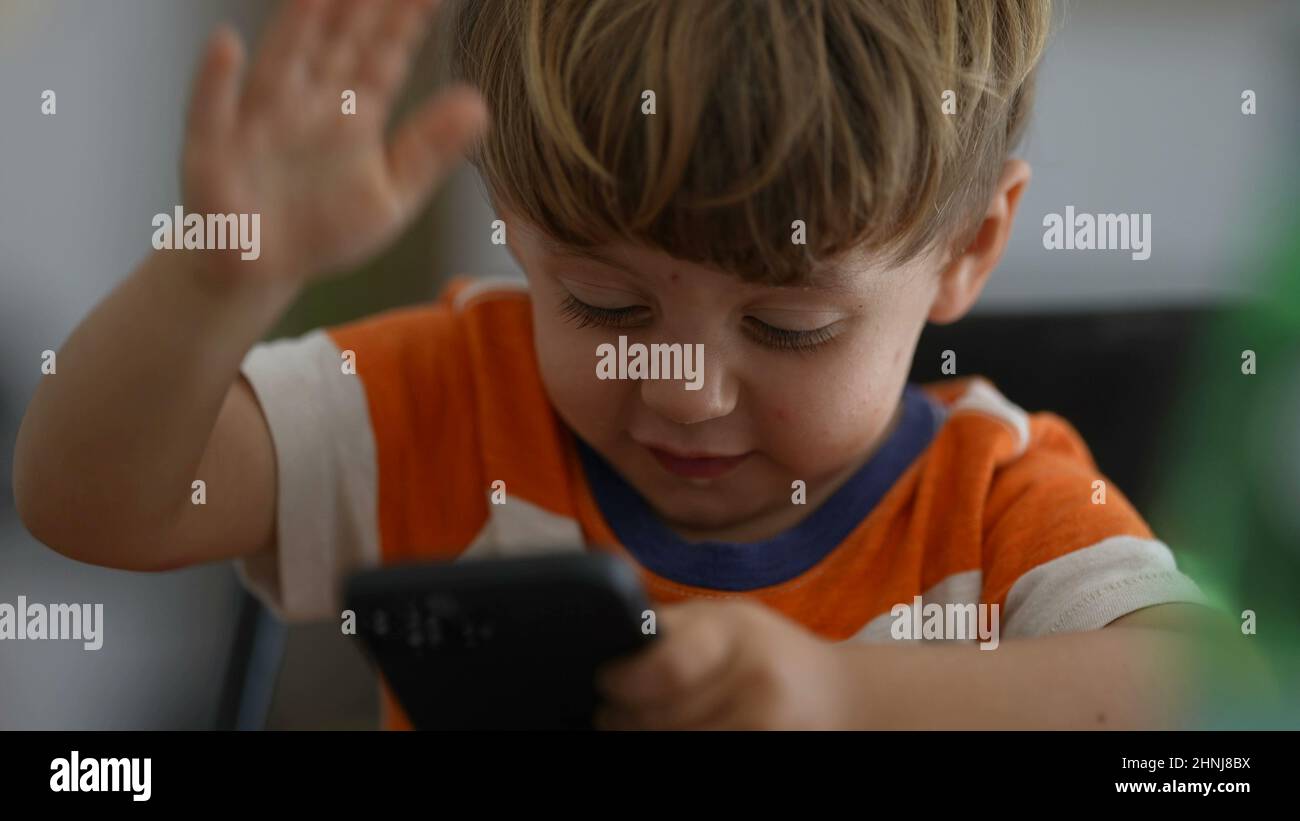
point(520, 528)
point(982, 397)
point(488, 285)
point(959, 588)
point(327, 511)
point(1087, 589)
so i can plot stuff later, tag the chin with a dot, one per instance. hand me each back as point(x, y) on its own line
point(703, 508)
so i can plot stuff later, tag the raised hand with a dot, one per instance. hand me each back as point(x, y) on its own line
point(330, 188)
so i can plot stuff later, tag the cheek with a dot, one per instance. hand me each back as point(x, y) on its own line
point(567, 361)
point(822, 410)
point(563, 367)
point(824, 415)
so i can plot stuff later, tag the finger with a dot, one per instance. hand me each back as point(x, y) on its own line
point(388, 56)
point(214, 97)
point(407, 24)
point(300, 38)
point(428, 145)
point(731, 717)
point(695, 708)
point(382, 72)
point(346, 36)
point(280, 51)
point(692, 652)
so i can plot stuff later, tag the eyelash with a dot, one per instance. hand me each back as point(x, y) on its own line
point(574, 310)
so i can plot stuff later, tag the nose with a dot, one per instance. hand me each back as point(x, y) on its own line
point(678, 401)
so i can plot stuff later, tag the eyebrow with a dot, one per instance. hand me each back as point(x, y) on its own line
point(831, 278)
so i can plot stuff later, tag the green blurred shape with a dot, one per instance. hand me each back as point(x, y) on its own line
point(1231, 505)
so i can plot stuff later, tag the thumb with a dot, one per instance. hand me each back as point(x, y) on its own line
point(429, 144)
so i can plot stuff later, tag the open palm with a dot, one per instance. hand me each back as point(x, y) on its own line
point(330, 187)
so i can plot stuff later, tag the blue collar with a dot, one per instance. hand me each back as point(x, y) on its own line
point(752, 565)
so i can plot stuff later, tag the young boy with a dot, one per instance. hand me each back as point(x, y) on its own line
point(792, 190)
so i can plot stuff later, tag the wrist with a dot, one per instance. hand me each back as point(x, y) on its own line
point(230, 313)
point(213, 277)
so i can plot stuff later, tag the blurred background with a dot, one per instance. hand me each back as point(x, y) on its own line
point(1138, 110)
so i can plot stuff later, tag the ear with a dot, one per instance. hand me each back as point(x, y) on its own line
point(964, 276)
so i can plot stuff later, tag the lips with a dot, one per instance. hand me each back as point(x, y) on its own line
point(696, 465)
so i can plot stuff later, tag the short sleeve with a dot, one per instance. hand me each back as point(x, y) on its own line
point(376, 425)
point(1064, 550)
point(326, 482)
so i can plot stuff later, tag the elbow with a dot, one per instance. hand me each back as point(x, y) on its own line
point(30, 501)
point(54, 529)
point(32, 495)
point(53, 515)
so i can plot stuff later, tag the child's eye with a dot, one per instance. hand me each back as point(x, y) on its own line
point(574, 309)
point(786, 340)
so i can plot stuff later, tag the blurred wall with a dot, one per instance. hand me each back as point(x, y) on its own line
point(77, 191)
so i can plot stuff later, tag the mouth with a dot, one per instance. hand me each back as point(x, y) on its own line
point(696, 465)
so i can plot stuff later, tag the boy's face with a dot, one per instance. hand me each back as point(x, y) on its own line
point(799, 383)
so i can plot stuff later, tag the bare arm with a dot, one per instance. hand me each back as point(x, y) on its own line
point(144, 401)
point(1163, 667)
point(147, 396)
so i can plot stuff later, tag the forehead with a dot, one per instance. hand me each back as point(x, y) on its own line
point(849, 274)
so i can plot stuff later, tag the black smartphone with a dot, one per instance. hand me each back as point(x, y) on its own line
point(500, 643)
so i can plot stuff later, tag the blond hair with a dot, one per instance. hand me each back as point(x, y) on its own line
point(767, 111)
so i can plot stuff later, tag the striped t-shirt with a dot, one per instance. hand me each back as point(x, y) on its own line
point(970, 500)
